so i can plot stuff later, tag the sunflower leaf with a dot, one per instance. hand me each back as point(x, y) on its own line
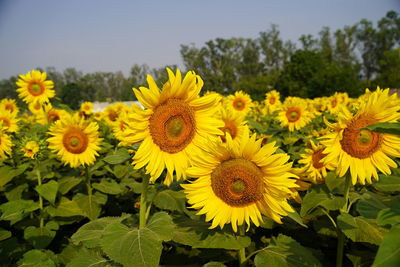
point(48, 191)
point(389, 251)
point(86, 257)
point(385, 127)
point(118, 157)
point(388, 183)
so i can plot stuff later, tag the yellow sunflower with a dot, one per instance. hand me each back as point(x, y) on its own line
point(9, 120)
point(314, 168)
point(363, 151)
point(87, 108)
point(49, 114)
point(74, 140)
point(33, 87)
point(272, 101)
point(236, 184)
point(294, 115)
point(239, 102)
point(30, 149)
point(9, 104)
point(235, 126)
point(5, 145)
point(173, 125)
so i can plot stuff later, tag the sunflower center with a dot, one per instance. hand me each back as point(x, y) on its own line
point(293, 114)
point(316, 159)
point(238, 182)
point(272, 100)
point(238, 104)
point(6, 121)
point(228, 128)
point(36, 89)
point(360, 143)
point(52, 117)
point(112, 115)
point(172, 125)
point(75, 141)
point(9, 107)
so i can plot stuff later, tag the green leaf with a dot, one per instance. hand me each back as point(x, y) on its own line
point(285, 251)
point(389, 216)
point(333, 182)
point(7, 173)
point(36, 258)
point(4, 234)
point(388, 254)
point(41, 237)
point(67, 208)
point(121, 170)
point(170, 200)
point(360, 229)
point(48, 191)
point(108, 186)
point(319, 195)
point(89, 205)
point(119, 157)
point(16, 210)
point(67, 183)
point(86, 257)
point(385, 127)
point(161, 224)
point(123, 244)
point(296, 217)
point(197, 235)
point(214, 264)
point(369, 205)
point(16, 193)
point(90, 234)
point(388, 183)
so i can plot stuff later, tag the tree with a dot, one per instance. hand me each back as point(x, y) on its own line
point(71, 95)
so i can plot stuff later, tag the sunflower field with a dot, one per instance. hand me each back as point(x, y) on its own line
point(194, 178)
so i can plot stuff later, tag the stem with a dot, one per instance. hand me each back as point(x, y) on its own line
point(143, 199)
point(89, 188)
point(39, 178)
point(341, 236)
point(242, 251)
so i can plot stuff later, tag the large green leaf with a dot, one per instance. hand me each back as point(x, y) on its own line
point(90, 234)
point(388, 183)
point(369, 205)
point(66, 208)
point(108, 186)
point(214, 264)
point(7, 173)
point(40, 237)
point(67, 183)
point(86, 257)
point(16, 210)
point(131, 246)
point(4, 234)
point(388, 254)
point(118, 157)
point(385, 127)
point(389, 216)
point(284, 251)
point(36, 258)
point(170, 200)
point(360, 229)
point(161, 224)
point(319, 195)
point(48, 191)
point(197, 235)
point(90, 205)
point(16, 193)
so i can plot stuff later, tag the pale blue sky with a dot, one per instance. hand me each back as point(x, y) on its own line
point(111, 35)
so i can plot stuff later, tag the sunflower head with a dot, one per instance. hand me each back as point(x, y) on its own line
point(86, 108)
point(240, 102)
point(272, 101)
point(30, 149)
point(33, 87)
point(237, 183)
point(9, 104)
point(5, 144)
point(9, 120)
point(75, 140)
point(294, 114)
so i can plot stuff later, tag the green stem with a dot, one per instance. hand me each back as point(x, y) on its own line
point(242, 251)
point(89, 187)
point(39, 178)
point(143, 200)
point(341, 236)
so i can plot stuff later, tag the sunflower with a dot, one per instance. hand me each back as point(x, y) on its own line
point(121, 130)
point(294, 114)
point(236, 184)
point(239, 102)
point(9, 104)
point(272, 101)
point(235, 126)
point(33, 87)
point(5, 145)
point(360, 150)
point(74, 140)
point(9, 120)
point(87, 108)
point(173, 125)
point(314, 168)
point(49, 114)
point(30, 149)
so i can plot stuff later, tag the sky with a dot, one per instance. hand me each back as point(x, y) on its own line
point(113, 35)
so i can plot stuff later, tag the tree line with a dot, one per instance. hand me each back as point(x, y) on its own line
point(346, 60)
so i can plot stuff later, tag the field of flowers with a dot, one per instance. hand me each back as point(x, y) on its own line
point(195, 178)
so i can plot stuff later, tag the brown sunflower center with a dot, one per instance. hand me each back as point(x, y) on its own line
point(239, 104)
point(172, 125)
point(112, 115)
point(316, 158)
point(9, 107)
point(228, 128)
point(272, 100)
point(75, 141)
point(360, 143)
point(36, 89)
point(52, 117)
point(6, 121)
point(293, 114)
point(238, 182)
